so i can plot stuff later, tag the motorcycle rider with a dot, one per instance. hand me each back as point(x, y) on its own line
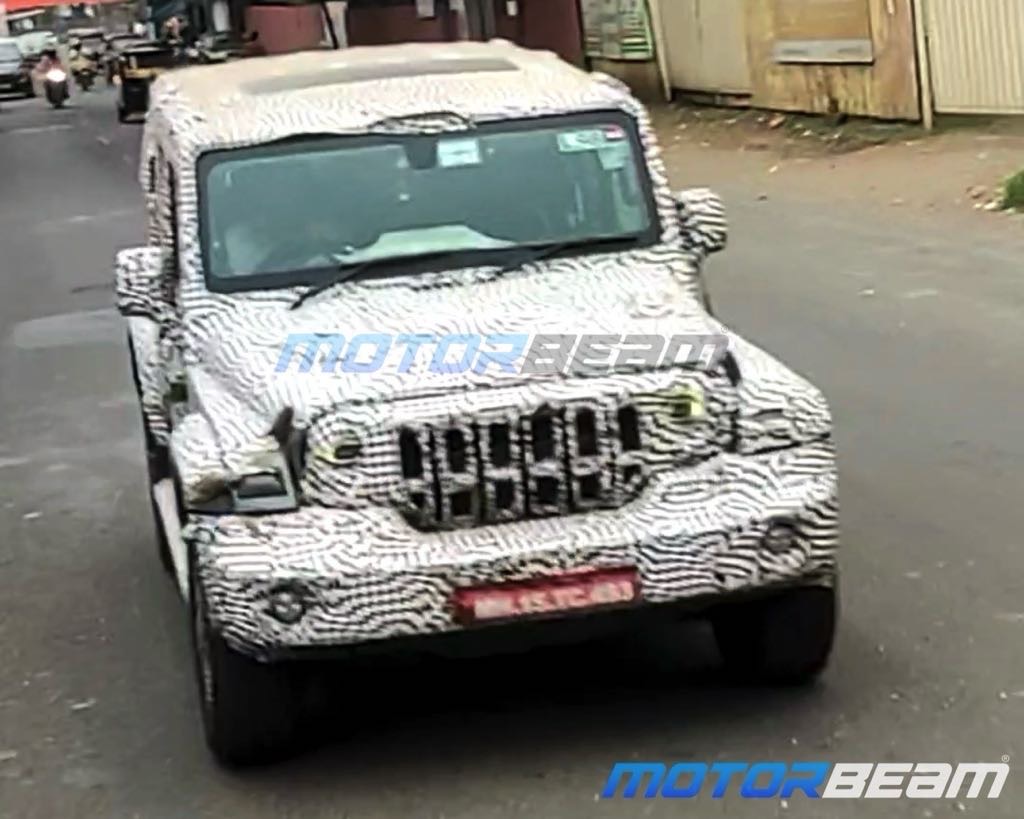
point(173, 35)
point(49, 61)
point(80, 61)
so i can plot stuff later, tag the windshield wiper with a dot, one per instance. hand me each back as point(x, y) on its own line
point(538, 253)
point(348, 271)
point(534, 253)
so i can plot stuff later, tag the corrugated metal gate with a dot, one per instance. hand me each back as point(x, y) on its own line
point(977, 55)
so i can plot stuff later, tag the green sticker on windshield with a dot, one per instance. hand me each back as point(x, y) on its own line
point(614, 156)
point(589, 139)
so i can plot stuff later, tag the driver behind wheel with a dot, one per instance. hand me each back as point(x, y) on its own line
point(264, 242)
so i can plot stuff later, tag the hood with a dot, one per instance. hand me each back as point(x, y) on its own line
point(252, 347)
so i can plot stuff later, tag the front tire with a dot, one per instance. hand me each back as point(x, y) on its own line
point(785, 639)
point(251, 710)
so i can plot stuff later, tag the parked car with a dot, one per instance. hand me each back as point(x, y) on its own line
point(544, 462)
point(14, 73)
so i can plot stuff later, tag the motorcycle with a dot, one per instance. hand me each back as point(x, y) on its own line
point(84, 67)
point(55, 86)
point(85, 77)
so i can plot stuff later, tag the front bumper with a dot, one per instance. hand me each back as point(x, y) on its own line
point(15, 82)
point(695, 534)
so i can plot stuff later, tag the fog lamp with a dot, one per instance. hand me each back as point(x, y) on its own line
point(287, 604)
point(780, 536)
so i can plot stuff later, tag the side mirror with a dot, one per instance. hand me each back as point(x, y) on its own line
point(139, 282)
point(702, 220)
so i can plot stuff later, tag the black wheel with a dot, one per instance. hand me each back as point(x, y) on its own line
point(158, 467)
point(251, 710)
point(785, 639)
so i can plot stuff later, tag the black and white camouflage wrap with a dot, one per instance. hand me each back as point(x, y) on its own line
point(712, 485)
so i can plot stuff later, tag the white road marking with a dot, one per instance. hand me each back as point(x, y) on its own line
point(7, 463)
point(101, 326)
point(102, 140)
point(924, 292)
point(38, 129)
point(83, 219)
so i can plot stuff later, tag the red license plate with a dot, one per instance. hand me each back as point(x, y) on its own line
point(549, 595)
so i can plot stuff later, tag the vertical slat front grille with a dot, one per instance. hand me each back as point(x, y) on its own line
point(555, 461)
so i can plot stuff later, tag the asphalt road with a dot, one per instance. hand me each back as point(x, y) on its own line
point(913, 328)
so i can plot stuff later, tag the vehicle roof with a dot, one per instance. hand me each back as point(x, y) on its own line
point(348, 91)
point(143, 44)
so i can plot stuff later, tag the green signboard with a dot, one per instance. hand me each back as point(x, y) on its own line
point(617, 29)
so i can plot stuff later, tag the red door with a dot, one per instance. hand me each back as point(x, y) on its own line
point(552, 25)
point(396, 21)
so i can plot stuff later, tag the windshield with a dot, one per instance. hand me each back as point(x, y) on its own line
point(293, 212)
point(9, 52)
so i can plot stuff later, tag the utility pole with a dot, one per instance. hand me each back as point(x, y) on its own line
point(924, 66)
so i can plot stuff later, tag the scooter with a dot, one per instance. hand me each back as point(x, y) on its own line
point(85, 77)
point(84, 68)
point(55, 86)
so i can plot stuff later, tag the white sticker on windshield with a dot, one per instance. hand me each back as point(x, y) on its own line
point(458, 153)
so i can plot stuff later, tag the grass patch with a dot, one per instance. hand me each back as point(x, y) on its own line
point(1013, 192)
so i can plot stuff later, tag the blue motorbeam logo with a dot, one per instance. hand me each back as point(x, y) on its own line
point(815, 780)
point(515, 353)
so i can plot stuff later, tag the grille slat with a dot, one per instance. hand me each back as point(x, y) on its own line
point(554, 461)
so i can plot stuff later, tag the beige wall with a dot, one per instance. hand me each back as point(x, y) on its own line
point(977, 55)
point(706, 45)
